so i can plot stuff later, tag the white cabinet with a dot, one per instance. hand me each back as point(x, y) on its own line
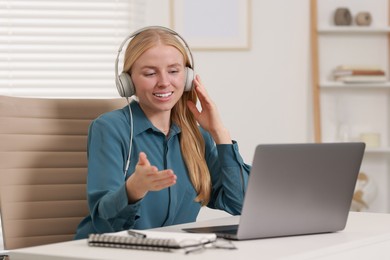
point(354, 111)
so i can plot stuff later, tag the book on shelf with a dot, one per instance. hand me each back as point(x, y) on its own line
point(361, 79)
point(152, 240)
point(358, 67)
point(359, 74)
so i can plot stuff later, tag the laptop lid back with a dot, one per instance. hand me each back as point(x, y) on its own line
point(299, 189)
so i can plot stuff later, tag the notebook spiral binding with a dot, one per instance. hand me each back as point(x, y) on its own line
point(153, 244)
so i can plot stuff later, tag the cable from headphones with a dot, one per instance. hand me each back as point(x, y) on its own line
point(131, 138)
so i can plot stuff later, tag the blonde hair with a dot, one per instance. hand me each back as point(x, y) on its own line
point(191, 140)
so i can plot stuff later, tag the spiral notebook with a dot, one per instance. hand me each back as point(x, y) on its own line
point(154, 240)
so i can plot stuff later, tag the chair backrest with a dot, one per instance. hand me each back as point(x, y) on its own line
point(43, 166)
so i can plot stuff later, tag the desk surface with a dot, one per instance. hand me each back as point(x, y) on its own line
point(367, 235)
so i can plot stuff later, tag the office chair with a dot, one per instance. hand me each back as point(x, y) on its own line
point(43, 166)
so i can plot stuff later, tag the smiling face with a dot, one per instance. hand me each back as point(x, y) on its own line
point(158, 76)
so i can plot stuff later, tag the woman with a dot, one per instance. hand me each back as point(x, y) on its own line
point(181, 158)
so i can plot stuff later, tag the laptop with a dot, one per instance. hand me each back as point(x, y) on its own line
point(296, 189)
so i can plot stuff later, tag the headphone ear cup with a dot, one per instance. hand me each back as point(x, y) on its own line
point(125, 85)
point(190, 75)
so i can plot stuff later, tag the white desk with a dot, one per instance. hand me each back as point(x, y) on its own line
point(367, 236)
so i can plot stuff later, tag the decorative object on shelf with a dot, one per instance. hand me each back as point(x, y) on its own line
point(359, 74)
point(365, 193)
point(363, 19)
point(342, 16)
point(371, 139)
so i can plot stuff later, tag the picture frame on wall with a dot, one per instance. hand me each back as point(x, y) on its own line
point(212, 24)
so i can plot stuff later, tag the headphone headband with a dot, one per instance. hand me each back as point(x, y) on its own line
point(134, 34)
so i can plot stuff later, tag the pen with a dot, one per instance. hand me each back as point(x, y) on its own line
point(136, 234)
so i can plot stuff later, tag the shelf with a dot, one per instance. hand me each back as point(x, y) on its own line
point(363, 86)
point(353, 29)
point(378, 150)
point(363, 107)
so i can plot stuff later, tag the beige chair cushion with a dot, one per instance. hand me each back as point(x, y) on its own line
point(43, 166)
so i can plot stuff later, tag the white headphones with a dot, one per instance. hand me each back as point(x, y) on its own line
point(125, 85)
point(123, 80)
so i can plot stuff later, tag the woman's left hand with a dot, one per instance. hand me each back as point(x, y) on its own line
point(208, 117)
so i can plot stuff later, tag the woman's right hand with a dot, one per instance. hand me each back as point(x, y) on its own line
point(147, 178)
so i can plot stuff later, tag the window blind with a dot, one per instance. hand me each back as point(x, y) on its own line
point(63, 48)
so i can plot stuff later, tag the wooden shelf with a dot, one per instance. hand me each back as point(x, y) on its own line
point(372, 150)
point(363, 86)
point(362, 107)
point(353, 29)
point(320, 27)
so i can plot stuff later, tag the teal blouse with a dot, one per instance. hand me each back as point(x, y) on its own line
point(108, 147)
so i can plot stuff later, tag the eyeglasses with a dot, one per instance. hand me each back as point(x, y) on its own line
point(189, 246)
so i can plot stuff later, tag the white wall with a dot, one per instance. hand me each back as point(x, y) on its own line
point(263, 94)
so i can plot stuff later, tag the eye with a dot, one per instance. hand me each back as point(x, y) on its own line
point(149, 73)
point(174, 70)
